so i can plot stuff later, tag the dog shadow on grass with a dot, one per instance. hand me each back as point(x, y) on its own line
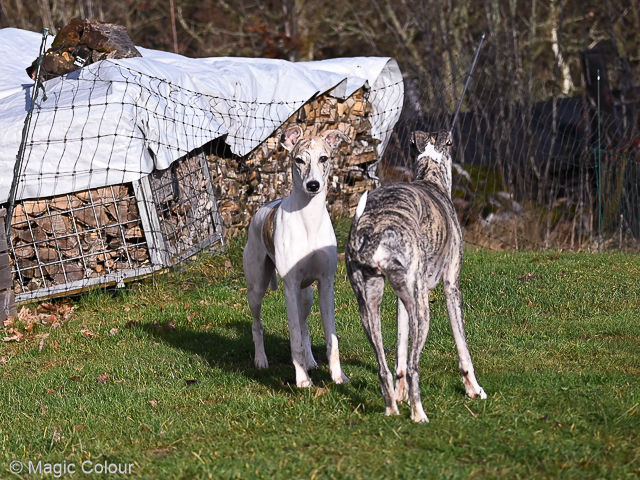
point(230, 348)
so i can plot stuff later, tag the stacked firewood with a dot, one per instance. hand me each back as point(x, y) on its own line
point(75, 237)
point(243, 185)
point(186, 205)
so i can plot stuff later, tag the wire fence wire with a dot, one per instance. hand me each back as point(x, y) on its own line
point(100, 200)
point(531, 172)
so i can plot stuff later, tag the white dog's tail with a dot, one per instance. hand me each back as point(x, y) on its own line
point(273, 283)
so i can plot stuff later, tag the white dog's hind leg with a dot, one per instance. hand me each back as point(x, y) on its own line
point(305, 302)
point(327, 311)
point(258, 273)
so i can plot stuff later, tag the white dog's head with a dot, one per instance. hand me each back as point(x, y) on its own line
point(311, 157)
point(434, 162)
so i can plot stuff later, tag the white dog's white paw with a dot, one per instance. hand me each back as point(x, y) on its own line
point(341, 378)
point(477, 393)
point(261, 363)
point(304, 383)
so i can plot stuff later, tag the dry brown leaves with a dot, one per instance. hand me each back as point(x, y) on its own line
point(48, 314)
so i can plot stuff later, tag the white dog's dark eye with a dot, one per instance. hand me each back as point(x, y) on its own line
point(299, 161)
point(323, 159)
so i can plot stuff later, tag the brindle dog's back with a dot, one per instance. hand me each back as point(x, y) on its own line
point(406, 217)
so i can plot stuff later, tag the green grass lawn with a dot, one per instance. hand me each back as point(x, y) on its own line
point(160, 375)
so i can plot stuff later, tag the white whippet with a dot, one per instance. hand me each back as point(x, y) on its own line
point(295, 236)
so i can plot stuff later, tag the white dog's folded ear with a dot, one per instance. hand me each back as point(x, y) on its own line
point(291, 136)
point(334, 137)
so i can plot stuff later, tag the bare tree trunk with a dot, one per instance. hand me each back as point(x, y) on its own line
point(47, 19)
point(554, 20)
point(173, 26)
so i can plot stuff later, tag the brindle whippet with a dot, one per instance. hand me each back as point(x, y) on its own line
point(409, 233)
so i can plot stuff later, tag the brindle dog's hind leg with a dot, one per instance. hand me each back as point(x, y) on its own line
point(454, 307)
point(368, 291)
point(402, 393)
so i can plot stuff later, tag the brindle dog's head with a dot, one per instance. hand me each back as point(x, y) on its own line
point(434, 161)
point(311, 157)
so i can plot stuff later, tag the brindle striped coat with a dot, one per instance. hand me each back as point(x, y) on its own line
point(409, 233)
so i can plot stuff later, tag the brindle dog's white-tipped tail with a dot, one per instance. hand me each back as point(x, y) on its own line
point(361, 205)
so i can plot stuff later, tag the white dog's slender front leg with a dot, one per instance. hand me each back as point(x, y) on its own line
point(402, 392)
point(305, 302)
point(296, 340)
point(327, 311)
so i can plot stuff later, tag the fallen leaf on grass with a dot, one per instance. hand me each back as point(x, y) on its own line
point(103, 378)
point(153, 403)
point(340, 256)
point(126, 309)
point(164, 327)
point(191, 382)
point(9, 322)
point(535, 260)
point(228, 264)
point(113, 331)
point(321, 391)
point(75, 378)
point(144, 427)
point(528, 276)
point(43, 409)
point(87, 333)
point(162, 452)
point(50, 390)
point(3, 360)
point(44, 337)
point(77, 428)
point(29, 327)
point(16, 335)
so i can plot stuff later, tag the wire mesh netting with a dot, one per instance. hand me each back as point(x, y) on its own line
point(533, 170)
point(122, 173)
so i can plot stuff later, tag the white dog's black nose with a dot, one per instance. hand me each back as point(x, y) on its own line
point(313, 186)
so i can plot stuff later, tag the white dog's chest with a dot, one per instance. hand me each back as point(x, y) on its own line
point(305, 256)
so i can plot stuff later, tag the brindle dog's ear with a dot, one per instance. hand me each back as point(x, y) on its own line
point(420, 140)
point(291, 136)
point(334, 137)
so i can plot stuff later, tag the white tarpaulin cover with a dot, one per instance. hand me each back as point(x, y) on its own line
point(114, 121)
